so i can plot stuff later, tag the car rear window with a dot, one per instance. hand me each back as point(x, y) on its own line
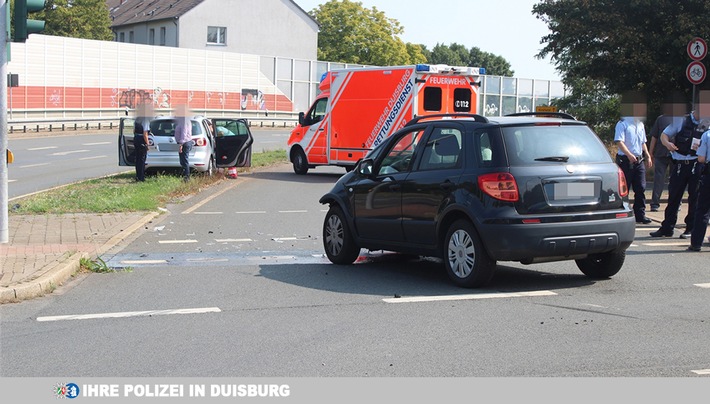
point(551, 144)
point(166, 127)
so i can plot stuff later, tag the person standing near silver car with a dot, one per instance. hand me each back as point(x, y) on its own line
point(183, 137)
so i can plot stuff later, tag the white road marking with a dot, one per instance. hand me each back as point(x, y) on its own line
point(69, 152)
point(232, 240)
point(418, 299)
point(143, 262)
point(176, 241)
point(284, 238)
point(204, 201)
point(207, 213)
point(42, 148)
point(95, 144)
point(34, 165)
point(130, 314)
point(703, 285)
point(701, 372)
point(208, 259)
point(293, 211)
point(668, 243)
point(11, 180)
point(93, 158)
point(250, 212)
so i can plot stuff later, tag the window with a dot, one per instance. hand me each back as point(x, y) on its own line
point(217, 35)
point(162, 36)
point(151, 36)
point(400, 157)
point(442, 151)
point(462, 100)
point(432, 99)
point(130, 37)
point(122, 37)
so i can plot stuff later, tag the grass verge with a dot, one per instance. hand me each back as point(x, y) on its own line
point(120, 193)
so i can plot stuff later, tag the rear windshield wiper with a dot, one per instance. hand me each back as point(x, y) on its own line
point(562, 159)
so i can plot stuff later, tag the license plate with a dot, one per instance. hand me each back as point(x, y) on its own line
point(573, 190)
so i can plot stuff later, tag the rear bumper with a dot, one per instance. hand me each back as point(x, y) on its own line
point(198, 159)
point(556, 241)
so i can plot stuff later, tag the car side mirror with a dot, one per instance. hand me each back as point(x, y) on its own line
point(301, 118)
point(364, 168)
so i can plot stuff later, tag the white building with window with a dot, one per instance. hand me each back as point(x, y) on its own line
point(259, 27)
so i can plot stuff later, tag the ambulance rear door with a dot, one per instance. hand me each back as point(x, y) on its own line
point(447, 91)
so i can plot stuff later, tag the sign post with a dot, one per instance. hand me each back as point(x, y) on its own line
point(696, 72)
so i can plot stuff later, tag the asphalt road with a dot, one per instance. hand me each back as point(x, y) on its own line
point(233, 283)
point(43, 162)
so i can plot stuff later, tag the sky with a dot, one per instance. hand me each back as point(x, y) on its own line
point(505, 28)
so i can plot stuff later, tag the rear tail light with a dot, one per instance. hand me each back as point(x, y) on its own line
point(201, 141)
point(623, 186)
point(501, 186)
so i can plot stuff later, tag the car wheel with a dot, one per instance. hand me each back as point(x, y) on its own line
point(338, 243)
point(211, 166)
point(602, 266)
point(466, 262)
point(300, 162)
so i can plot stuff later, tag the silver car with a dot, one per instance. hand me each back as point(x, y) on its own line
point(219, 143)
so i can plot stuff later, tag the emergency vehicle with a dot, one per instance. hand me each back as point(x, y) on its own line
point(360, 107)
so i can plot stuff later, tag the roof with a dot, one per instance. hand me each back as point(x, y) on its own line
point(126, 12)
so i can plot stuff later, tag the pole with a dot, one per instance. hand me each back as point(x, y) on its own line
point(4, 40)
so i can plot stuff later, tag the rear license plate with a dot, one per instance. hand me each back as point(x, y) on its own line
point(168, 147)
point(573, 190)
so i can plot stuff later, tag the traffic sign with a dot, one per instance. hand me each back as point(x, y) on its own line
point(697, 49)
point(695, 72)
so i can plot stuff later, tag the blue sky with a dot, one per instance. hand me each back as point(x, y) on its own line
point(503, 27)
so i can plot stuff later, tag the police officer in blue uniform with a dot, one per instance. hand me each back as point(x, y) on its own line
point(685, 172)
point(702, 209)
point(630, 138)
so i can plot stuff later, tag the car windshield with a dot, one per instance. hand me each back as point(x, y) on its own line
point(553, 144)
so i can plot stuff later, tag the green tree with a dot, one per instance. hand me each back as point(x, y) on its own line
point(494, 64)
point(416, 53)
point(590, 101)
point(351, 33)
point(86, 19)
point(626, 45)
point(443, 54)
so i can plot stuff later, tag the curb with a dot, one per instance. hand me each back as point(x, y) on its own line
point(60, 272)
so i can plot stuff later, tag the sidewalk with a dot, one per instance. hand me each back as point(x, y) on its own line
point(44, 251)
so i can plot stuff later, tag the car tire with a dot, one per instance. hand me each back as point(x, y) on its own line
point(602, 266)
point(300, 162)
point(338, 242)
point(466, 261)
point(211, 166)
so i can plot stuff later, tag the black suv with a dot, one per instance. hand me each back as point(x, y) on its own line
point(474, 190)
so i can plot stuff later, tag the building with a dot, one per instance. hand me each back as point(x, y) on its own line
point(257, 27)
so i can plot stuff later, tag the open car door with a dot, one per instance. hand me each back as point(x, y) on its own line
point(233, 142)
point(126, 150)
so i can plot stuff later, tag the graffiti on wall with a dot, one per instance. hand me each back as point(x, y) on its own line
point(131, 98)
point(253, 99)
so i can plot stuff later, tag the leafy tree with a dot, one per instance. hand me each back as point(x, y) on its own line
point(443, 54)
point(494, 64)
point(457, 55)
point(351, 33)
point(416, 53)
point(626, 45)
point(590, 101)
point(86, 19)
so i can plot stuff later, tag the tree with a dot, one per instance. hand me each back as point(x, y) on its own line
point(591, 102)
point(494, 64)
point(443, 54)
point(457, 55)
point(351, 33)
point(86, 19)
point(626, 45)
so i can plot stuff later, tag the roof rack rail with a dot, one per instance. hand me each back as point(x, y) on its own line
point(477, 117)
point(557, 114)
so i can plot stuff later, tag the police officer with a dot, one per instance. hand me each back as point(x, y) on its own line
point(685, 172)
point(702, 208)
point(661, 159)
point(141, 129)
point(630, 138)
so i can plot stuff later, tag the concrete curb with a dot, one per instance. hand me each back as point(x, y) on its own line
point(60, 272)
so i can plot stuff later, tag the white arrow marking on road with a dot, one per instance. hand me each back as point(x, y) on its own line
point(130, 314)
point(69, 152)
point(176, 241)
point(418, 299)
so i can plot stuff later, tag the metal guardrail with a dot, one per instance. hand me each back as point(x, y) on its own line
point(29, 125)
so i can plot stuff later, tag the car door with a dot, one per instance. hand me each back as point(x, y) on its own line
point(126, 150)
point(431, 184)
point(377, 200)
point(233, 141)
